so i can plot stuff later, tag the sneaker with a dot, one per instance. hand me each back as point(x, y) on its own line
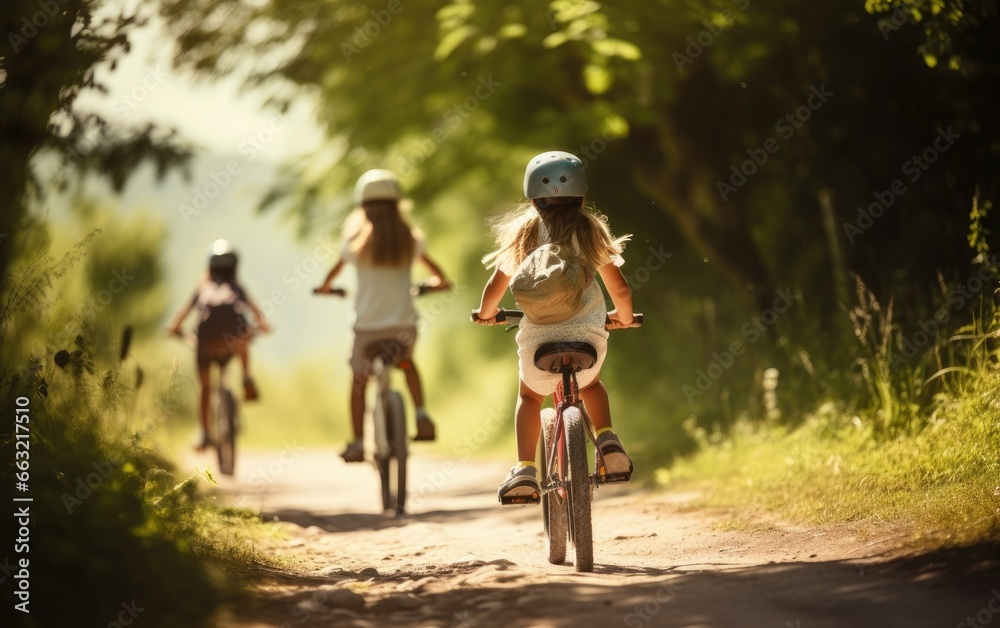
point(520, 487)
point(249, 390)
point(354, 452)
point(425, 428)
point(617, 465)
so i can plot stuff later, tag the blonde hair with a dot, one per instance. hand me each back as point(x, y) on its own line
point(377, 233)
point(517, 233)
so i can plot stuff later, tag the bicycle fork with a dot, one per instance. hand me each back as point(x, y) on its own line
point(555, 460)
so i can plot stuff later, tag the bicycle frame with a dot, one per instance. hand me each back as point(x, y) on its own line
point(387, 429)
point(555, 462)
point(223, 420)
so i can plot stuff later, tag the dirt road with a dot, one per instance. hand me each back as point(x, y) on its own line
point(460, 560)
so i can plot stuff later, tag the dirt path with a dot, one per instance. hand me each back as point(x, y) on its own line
point(460, 560)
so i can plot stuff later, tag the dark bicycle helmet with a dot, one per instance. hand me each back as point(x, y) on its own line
point(222, 256)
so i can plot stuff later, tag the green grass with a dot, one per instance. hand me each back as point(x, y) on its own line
point(942, 482)
point(924, 456)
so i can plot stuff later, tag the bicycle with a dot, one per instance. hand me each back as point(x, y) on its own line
point(386, 418)
point(566, 482)
point(224, 417)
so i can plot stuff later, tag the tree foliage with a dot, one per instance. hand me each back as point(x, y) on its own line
point(51, 54)
point(771, 144)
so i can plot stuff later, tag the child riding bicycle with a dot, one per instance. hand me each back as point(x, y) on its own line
point(223, 327)
point(382, 246)
point(555, 185)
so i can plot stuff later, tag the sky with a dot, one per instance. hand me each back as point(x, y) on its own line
point(144, 88)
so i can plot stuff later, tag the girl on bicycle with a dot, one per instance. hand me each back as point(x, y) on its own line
point(555, 184)
point(223, 328)
point(382, 246)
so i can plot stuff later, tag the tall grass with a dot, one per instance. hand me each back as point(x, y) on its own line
point(923, 454)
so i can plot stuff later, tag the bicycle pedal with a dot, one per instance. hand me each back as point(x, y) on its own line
point(520, 500)
point(614, 478)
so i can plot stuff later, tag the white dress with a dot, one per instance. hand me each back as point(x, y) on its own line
point(587, 325)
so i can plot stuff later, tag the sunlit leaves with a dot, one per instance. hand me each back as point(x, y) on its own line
point(581, 20)
point(452, 39)
point(597, 78)
point(956, 32)
point(512, 31)
point(617, 48)
point(615, 126)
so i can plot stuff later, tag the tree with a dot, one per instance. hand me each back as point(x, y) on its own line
point(52, 51)
point(771, 144)
point(682, 102)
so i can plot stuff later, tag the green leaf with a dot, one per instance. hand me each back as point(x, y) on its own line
point(597, 79)
point(455, 14)
point(512, 31)
point(615, 126)
point(452, 40)
point(568, 10)
point(555, 40)
point(617, 48)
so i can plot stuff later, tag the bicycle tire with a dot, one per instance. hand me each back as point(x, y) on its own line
point(396, 417)
point(579, 490)
point(382, 463)
point(382, 454)
point(553, 507)
point(225, 443)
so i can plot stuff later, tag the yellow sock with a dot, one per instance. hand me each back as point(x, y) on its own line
point(526, 463)
point(603, 430)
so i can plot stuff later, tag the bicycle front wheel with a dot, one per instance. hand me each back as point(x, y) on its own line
point(553, 507)
point(578, 490)
point(225, 433)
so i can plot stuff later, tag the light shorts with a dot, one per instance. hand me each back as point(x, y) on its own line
point(395, 343)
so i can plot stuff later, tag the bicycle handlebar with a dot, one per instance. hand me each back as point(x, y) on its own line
point(503, 316)
point(417, 290)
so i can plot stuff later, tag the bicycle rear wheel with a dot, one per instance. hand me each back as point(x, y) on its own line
point(578, 491)
point(396, 427)
point(553, 507)
point(225, 432)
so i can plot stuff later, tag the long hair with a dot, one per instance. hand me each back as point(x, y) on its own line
point(567, 221)
point(378, 235)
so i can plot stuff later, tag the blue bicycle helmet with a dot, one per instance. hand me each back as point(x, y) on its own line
point(555, 173)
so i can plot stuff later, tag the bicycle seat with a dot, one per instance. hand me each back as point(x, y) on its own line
point(549, 356)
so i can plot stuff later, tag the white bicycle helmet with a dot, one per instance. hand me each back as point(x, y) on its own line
point(222, 256)
point(377, 185)
point(555, 173)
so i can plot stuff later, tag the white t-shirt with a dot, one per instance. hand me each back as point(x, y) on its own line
point(384, 299)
